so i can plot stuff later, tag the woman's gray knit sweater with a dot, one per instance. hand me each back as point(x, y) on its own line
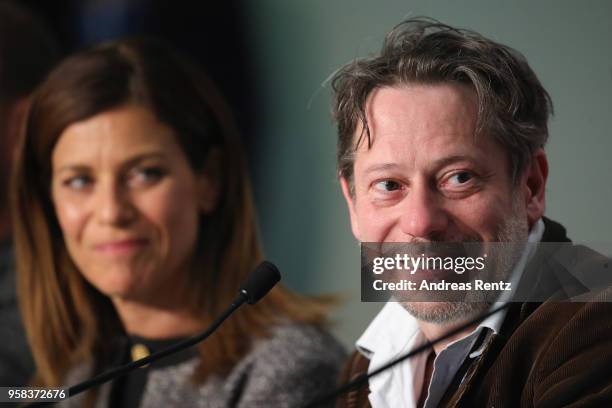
point(290, 368)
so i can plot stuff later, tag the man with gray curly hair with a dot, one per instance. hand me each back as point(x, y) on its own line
point(441, 139)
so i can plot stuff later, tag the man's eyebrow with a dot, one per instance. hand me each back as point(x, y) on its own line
point(80, 167)
point(445, 161)
point(381, 167)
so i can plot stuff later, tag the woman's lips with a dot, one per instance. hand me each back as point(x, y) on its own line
point(121, 247)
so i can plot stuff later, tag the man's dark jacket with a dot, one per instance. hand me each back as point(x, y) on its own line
point(548, 354)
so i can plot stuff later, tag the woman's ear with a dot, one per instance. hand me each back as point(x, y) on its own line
point(209, 182)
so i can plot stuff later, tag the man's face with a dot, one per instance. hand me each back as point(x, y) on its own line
point(426, 177)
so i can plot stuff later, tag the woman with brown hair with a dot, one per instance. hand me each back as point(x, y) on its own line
point(134, 225)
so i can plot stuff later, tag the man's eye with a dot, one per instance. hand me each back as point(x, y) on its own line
point(78, 182)
point(387, 185)
point(461, 177)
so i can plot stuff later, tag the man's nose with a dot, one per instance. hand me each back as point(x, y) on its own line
point(422, 215)
point(113, 205)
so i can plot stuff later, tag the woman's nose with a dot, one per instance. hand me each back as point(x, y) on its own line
point(113, 205)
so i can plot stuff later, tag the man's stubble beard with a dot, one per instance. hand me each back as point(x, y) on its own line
point(513, 230)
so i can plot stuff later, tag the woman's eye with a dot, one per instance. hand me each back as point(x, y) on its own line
point(387, 185)
point(78, 182)
point(147, 174)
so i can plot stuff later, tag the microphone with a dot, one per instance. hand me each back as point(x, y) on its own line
point(361, 379)
point(256, 285)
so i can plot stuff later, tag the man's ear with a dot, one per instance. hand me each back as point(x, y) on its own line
point(535, 186)
point(209, 182)
point(350, 201)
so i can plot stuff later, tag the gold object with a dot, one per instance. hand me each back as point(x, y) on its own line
point(139, 351)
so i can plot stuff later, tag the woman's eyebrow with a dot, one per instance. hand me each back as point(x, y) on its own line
point(142, 157)
point(83, 167)
point(75, 167)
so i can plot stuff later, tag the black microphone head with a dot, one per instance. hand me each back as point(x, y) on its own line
point(260, 281)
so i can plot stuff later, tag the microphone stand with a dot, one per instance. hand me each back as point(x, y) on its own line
point(124, 369)
point(256, 285)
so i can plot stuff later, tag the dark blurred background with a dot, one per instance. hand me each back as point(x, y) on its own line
point(211, 33)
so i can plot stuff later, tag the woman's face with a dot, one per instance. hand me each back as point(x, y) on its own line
point(128, 203)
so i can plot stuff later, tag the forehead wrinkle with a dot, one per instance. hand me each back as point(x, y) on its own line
point(423, 115)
